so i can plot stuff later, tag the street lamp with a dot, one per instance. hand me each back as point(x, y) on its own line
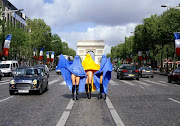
point(3, 24)
point(177, 7)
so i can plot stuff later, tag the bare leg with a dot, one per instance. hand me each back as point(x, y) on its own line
point(73, 77)
point(90, 75)
point(101, 78)
point(77, 80)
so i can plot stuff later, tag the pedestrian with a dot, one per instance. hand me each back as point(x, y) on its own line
point(103, 76)
point(90, 68)
point(73, 74)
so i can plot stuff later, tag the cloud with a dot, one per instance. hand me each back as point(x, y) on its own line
point(112, 20)
point(112, 35)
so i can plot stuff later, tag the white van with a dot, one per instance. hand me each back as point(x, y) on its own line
point(7, 67)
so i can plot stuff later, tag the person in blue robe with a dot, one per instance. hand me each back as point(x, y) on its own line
point(103, 76)
point(73, 74)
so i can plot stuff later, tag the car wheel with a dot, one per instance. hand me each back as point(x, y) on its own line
point(137, 79)
point(46, 89)
point(10, 74)
point(0, 78)
point(117, 76)
point(11, 92)
point(169, 80)
point(178, 81)
point(40, 91)
point(151, 76)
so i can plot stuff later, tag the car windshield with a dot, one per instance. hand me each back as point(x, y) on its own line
point(129, 67)
point(23, 72)
point(4, 65)
point(147, 68)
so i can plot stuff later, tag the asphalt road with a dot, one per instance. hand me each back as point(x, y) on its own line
point(147, 102)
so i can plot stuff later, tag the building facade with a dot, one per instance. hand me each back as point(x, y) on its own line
point(10, 13)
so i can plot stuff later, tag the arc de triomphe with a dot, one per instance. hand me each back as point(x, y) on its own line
point(96, 46)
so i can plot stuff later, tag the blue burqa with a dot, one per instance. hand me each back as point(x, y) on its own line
point(75, 68)
point(106, 69)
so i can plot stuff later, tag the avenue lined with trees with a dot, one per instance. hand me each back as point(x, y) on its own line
point(155, 34)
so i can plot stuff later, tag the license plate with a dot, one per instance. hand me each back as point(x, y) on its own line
point(147, 71)
point(23, 91)
point(131, 75)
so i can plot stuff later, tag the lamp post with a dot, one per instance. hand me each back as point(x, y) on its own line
point(3, 24)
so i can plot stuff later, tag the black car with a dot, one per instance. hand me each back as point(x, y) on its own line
point(126, 71)
point(45, 68)
point(28, 79)
point(174, 76)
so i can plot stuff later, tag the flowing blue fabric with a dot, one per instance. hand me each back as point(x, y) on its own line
point(106, 69)
point(68, 68)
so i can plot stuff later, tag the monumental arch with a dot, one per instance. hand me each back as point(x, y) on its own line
point(96, 46)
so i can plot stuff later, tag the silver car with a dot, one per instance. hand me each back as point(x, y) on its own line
point(146, 72)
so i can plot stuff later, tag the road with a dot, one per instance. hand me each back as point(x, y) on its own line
point(148, 102)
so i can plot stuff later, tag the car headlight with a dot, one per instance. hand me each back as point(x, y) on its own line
point(12, 82)
point(34, 81)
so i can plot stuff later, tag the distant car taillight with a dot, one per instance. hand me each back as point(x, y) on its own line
point(124, 71)
point(136, 71)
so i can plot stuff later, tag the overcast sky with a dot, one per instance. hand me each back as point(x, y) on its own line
point(108, 20)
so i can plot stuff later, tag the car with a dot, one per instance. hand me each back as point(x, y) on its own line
point(7, 67)
point(1, 75)
point(146, 72)
point(45, 68)
point(174, 76)
point(29, 79)
point(126, 71)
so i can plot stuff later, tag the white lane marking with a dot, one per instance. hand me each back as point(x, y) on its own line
point(63, 118)
point(4, 83)
point(163, 82)
point(174, 100)
point(141, 87)
point(51, 82)
point(6, 98)
point(70, 105)
point(155, 82)
point(63, 83)
point(113, 83)
point(65, 115)
point(114, 113)
point(127, 82)
point(140, 82)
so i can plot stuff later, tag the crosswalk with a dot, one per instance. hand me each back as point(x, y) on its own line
point(142, 82)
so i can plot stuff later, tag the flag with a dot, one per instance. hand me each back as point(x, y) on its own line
point(52, 56)
point(34, 53)
point(41, 54)
point(47, 55)
point(7, 45)
point(140, 55)
point(177, 42)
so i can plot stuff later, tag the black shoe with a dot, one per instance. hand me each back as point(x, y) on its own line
point(100, 92)
point(73, 89)
point(104, 96)
point(86, 89)
point(77, 93)
point(90, 88)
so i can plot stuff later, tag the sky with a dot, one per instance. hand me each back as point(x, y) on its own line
point(108, 20)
